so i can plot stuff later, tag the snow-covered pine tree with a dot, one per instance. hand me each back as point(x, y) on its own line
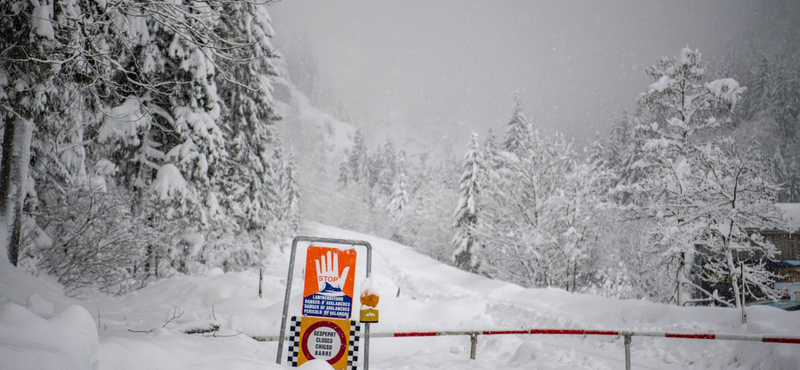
point(387, 168)
point(399, 200)
point(275, 185)
point(520, 216)
point(620, 140)
point(248, 114)
point(490, 151)
point(291, 193)
point(467, 212)
point(792, 184)
point(783, 109)
point(761, 89)
point(344, 174)
point(357, 161)
point(159, 128)
point(517, 127)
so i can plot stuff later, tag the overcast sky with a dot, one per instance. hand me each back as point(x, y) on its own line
point(432, 71)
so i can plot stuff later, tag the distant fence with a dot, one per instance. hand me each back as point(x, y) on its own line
point(627, 335)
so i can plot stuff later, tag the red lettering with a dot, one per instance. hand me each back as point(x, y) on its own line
point(330, 279)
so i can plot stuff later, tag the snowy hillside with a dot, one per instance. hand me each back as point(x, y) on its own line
point(145, 329)
point(317, 137)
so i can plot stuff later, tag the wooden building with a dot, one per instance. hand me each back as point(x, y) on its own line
point(788, 243)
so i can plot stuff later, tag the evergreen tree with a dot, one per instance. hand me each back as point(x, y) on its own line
point(357, 160)
point(399, 201)
point(490, 151)
point(291, 193)
point(248, 116)
point(467, 211)
point(784, 110)
point(344, 174)
point(517, 127)
point(276, 185)
point(762, 89)
point(620, 140)
point(387, 168)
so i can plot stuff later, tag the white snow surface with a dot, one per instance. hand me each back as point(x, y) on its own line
point(791, 211)
point(145, 329)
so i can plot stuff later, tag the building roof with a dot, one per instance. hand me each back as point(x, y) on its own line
point(791, 211)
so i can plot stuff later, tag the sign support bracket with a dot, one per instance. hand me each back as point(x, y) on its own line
point(287, 296)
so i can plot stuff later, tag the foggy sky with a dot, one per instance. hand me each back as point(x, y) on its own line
point(433, 71)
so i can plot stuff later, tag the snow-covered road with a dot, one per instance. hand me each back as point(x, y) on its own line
point(144, 329)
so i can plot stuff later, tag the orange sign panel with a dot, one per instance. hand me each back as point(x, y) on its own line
point(330, 275)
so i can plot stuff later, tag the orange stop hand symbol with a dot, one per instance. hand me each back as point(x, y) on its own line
point(328, 278)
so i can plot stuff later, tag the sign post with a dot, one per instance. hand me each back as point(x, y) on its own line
point(325, 330)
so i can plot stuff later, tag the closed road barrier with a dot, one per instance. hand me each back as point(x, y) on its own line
point(473, 334)
point(739, 337)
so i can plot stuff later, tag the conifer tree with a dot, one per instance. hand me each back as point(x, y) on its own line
point(344, 174)
point(467, 212)
point(619, 142)
point(387, 168)
point(399, 201)
point(357, 161)
point(762, 88)
point(517, 127)
point(291, 193)
point(248, 114)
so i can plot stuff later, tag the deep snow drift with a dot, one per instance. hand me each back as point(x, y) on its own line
point(145, 329)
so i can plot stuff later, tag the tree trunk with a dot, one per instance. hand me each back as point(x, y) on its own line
point(734, 282)
point(575, 275)
point(5, 167)
point(17, 186)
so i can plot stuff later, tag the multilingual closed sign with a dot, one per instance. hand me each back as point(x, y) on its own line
point(324, 339)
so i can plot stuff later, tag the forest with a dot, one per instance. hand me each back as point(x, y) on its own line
point(662, 207)
point(140, 142)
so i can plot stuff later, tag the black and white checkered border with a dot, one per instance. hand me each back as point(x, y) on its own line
point(352, 350)
point(294, 341)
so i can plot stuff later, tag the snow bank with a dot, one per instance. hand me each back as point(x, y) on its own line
point(791, 211)
point(419, 293)
point(39, 306)
point(28, 341)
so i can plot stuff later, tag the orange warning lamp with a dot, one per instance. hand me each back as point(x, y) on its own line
point(369, 302)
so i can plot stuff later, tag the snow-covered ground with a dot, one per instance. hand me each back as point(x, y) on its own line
point(41, 328)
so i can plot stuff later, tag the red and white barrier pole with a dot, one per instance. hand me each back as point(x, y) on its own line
point(625, 334)
point(473, 334)
point(709, 336)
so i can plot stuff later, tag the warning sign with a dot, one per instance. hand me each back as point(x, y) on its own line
point(325, 339)
point(328, 290)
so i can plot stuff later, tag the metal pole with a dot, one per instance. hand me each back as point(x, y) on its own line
point(744, 315)
point(260, 282)
point(473, 349)
point(286, 300)
point(366, 345)
point(366, 324)
point(627, 351)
